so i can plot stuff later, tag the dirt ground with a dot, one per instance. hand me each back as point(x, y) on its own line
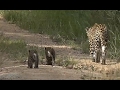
point(16, 71)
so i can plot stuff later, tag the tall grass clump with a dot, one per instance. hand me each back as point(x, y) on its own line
point(65, 25)
point(15, 49)
point(114, 38)
point(69, 24)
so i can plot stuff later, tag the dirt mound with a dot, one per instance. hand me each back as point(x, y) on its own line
point(111, 69)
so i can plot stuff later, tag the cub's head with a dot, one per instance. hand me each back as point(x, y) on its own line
point(48, 51)
point(33, 54)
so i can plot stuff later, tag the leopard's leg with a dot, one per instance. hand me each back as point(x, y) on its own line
point(91, 50)
point(97, 51)
point(103, 55)
point(97, 56)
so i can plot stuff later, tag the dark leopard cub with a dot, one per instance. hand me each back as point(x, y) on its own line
point(50, 56)
point(33, 59)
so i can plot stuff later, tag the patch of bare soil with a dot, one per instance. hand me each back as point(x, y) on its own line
point(85, 69)
point(44, 73)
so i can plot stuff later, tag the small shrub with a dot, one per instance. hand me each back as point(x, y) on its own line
point(65, 62)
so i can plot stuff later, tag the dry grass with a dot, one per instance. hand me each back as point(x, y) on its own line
point(110, 71)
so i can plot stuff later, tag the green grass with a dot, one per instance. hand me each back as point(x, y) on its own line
point(16, 49)
point(69, 25)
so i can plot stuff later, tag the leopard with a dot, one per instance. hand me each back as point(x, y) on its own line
point(50, 56)
point(98, 40)
point(33, 58)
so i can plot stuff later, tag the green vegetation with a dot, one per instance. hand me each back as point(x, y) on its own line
point(65, 25)
point(15, 49)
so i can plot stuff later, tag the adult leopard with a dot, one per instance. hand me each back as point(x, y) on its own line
point(98, 39)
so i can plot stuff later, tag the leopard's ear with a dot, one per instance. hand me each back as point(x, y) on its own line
point(86, 29)
point(104, 26)
point(95, 24)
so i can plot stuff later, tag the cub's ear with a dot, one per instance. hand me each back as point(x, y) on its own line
point(45, 48)
point(29, 51)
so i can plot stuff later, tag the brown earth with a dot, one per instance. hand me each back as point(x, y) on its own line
point(11, 70)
